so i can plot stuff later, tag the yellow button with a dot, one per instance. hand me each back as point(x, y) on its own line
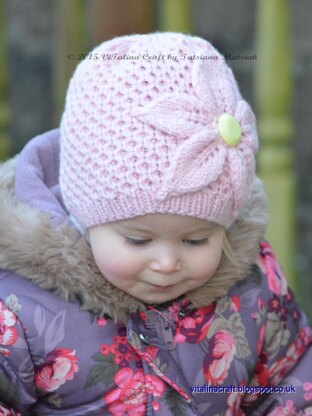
point(229, 129)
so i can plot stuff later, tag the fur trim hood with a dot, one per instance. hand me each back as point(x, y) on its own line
point(38, 241)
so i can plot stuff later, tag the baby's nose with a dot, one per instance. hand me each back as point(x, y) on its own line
point(166, 262)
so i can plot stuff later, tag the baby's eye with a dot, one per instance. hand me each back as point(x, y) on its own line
point(136, 241)
point(201, 242)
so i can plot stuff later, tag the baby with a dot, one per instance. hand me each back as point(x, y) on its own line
point(135, 277)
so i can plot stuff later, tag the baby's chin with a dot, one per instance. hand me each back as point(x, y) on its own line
point(160, 296)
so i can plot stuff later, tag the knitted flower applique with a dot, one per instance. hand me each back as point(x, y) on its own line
point(202, 155)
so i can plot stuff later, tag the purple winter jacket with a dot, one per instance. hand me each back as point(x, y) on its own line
point(72, 344)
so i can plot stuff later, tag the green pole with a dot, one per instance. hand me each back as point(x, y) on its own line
point(4, 108)
point(274, 89)
point(71, 41)
point(176, 16)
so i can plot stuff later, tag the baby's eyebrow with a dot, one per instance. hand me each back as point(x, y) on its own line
point(198, 234)
point(209, 228)
point(131, 227)
point(191, 230)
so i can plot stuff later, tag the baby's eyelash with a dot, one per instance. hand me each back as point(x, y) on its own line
point(197, 243)
point(142, 242)
point(136, 241)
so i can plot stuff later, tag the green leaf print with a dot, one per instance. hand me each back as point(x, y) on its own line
point(238, 331)
point(223, 304)
point(12, 302)
point(175, 402)
point(219, 324)
point(55, 400)
point(103, 372)
point(235, 327)
point(134, 340)
point(8, 391)
point(276, 335)
point(163, 367)
point(98, 357)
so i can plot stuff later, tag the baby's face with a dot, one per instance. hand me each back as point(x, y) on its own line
point(157, 257)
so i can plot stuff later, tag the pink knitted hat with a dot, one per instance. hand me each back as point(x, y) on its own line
point(156, 124)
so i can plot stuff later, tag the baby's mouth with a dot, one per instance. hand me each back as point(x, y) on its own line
point(162, 287)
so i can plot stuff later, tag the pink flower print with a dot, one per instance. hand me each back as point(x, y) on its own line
point(274, 304)
point(142, 316)
point(255, 316)
point(270, 266)
point(287, 410)
point(8, 412)
point(218, 361)
point(235, 303)
point(194, 327)
point(154, 385)
point(202, 156)
point(8, 334)
point(282, 366)
point(261, 305)
point(130, 395)
point(280, 369)
point(59, 367)
point(101, 321)
point(295, 315)
point(233, 404)
point(177, 307)
point(261, 372)
point(123, 352)
point(152, 351)
point(307, 388)
point(260, 378)
point(174, 310)
point(305, 335)
point(260, 339)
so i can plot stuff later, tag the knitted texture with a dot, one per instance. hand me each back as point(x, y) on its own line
point(140, 134)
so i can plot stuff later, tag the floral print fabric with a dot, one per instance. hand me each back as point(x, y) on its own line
point(60, 366)
point(8, 332)
point(55, 357)
point(129, 395)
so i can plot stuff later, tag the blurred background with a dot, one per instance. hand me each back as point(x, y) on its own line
point(268, 44)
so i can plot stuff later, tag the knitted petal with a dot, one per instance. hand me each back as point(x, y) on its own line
point(118, 46)
point(201, 78)
point(241, 174)
point(215, 83)
point(247, 120)
point(179, 115)
point(198, 162)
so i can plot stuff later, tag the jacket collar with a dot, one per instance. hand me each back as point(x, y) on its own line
point(44, 247)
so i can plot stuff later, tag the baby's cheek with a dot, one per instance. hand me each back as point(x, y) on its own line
point(118, 267)
point(206, 268)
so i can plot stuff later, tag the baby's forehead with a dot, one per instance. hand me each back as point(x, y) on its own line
point(166, 222)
